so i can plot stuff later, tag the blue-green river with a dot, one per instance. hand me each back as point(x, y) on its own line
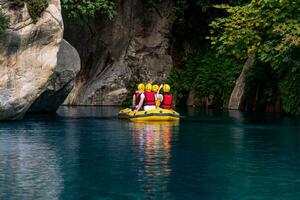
point(87, 153)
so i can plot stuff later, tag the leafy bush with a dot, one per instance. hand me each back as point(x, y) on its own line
point(207, 74)
point(264, 85)
point(267, 28)
point(3, 23)
point(261, 87)
point(36, 7)
point(79, 8)
point(289, 87)
point(289, 84)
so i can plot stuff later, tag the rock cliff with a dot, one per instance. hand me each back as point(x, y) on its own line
point(29, 64)
point(119, 53)
point(61, 82)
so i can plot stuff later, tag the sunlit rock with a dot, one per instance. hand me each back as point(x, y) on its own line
point(62, 81)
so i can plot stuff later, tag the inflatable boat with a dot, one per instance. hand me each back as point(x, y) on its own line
point(150, 115)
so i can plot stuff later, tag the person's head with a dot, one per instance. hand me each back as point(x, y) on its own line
point(166, 88)
point(141, 87)
point(155, 88)
point(148, 87)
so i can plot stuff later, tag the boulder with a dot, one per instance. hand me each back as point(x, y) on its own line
point(28, 57)
point(61, 82)
point(117, 54)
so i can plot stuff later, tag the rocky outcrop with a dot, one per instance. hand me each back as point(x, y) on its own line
point(61, 82)
point(28, 56)
point(118, 54)
point(237, 99)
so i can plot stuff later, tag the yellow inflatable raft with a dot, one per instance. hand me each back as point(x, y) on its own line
point(150, 115)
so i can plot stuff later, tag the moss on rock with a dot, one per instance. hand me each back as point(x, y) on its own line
point(3, 23)
point(36, 7)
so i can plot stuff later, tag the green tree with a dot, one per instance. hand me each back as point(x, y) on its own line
point(207, 74)
point(268, 28)
point(79, 8)
point(36, 7)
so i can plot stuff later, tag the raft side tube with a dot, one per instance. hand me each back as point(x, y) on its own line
point(150, 115)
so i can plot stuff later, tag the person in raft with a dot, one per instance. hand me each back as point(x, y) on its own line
point(147, 99)
point(158, 97)
point(167, 98)
point(137, 95)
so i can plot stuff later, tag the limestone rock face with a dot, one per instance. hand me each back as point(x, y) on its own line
point(118, 54)
point(193, 100)
point(237, 98)
point(61, 82)
point(28, 56)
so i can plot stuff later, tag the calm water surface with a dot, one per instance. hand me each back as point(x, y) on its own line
point(87, 153)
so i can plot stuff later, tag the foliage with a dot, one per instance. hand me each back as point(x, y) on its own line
point(290, 90)
point(289, 84)
point(207, 74)
point(36, 7)
point(181, 5)
point(15, 4)
point(180, 85)
point(261, 86)
point(269, 28)
point(3, 23)
point(264, 84)
point(79, 8)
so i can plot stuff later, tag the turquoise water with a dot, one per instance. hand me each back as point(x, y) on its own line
point(87, 153)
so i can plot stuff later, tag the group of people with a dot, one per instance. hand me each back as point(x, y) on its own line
point(148, 97)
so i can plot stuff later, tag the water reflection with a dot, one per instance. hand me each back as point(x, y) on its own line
point(28, 169)
point(153, 140)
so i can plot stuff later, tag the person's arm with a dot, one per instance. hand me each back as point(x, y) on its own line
point(158, 91)
point(140, 104)
point(133, 101)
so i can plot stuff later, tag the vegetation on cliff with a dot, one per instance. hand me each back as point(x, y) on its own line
point(35, 7)
point(207, 74)
point(78, 8)
point(3, 23)
point(270, 30)
point(211, 74)
point(74, 8)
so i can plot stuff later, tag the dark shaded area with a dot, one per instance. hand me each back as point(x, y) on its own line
point(14, 43)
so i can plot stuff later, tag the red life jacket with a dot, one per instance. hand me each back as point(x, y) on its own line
point(167, 101)
point(137, 98)
point(149, 99)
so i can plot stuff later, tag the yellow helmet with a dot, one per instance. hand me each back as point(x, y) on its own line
point(155, 88)
point(166, 88)
point(148, 87)
point(141, 87)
